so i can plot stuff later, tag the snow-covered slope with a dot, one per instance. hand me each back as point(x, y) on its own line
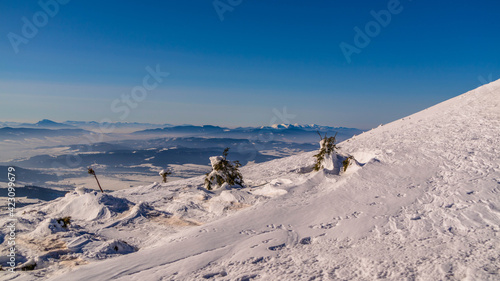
point(424, 205)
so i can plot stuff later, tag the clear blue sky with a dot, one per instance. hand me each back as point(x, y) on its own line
point(262, 55)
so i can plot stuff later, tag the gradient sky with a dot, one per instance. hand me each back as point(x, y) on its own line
point(263, 55)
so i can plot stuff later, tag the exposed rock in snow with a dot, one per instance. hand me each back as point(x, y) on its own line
point(47, 227)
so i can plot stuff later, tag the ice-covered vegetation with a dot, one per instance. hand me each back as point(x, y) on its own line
point(224, 172)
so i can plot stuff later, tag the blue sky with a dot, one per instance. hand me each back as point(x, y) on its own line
point(263, 55)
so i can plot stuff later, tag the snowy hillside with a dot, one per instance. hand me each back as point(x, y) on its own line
point(423, 205)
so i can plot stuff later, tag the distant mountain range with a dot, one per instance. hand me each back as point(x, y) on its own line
point(8, 133)
point(42, 124)
point(129, 126)
point(87, 125)
point(277, 132)
point(46, 123)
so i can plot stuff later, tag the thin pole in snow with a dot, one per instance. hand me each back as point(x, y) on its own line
point(92, 172)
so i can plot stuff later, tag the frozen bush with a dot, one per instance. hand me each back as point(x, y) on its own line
point(223, 171)
point(327, 148)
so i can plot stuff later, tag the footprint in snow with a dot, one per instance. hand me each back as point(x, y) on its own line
point(305, 241)
point(277, 247)
point(247, 277)
point(256, 261)
point(212, 275)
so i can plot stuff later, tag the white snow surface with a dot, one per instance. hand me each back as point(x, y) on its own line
point(423, 204)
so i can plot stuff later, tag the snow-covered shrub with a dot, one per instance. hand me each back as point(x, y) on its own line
point(164, 174)
point(349, 162)
point(327, 148)
point(346, 162)
point(223, 171)
point(64, 222)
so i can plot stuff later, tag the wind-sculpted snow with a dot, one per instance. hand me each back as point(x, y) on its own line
point(86, 225)
point(423, 204)
point(87, 205)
